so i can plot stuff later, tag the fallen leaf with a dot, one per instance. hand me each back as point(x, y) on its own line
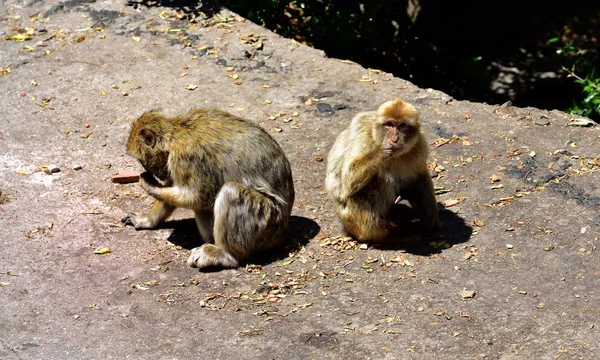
point(495, 178)
point(401, 260)
point(581, 122)
point(136, 38)
point(478, 223)
point(549, 248)
point(451, 202)
point(467, 294)
point(102, 250)
point(191, 87)
point(287, 262)
point(21, 37)
point(250, 332)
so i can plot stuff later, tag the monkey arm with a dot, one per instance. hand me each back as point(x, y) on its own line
point(360, 171)
point(172, 195)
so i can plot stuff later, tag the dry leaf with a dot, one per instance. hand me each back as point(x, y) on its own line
point(478, 223)
point(452, 202)
point(102, 250)
point(467, 294)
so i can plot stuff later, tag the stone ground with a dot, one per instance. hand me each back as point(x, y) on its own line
point(515, 273)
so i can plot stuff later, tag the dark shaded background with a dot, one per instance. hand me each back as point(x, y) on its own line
point(485, 51)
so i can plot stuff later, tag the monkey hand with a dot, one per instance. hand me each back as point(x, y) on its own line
point(388, 150)
point(148, 181)
point(139, 222)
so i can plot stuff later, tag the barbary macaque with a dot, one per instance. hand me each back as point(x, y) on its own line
point(379, 159)
point(230, 172)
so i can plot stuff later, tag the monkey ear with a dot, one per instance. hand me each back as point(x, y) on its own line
point(149, 137)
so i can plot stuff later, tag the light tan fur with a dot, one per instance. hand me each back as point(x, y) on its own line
point(380, 156)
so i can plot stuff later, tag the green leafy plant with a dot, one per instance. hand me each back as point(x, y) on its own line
point(590, 105)
point(581, 61)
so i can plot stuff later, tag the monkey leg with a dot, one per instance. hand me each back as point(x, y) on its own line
point(205, 222)
point(363, 223)
point(158, 214)
point(422, 199)
point(245, 221)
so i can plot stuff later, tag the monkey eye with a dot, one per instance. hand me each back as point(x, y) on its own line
point(402, 126)
point(388, 124)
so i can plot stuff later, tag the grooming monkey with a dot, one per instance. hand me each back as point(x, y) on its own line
point(380, 158)
point(230, 172)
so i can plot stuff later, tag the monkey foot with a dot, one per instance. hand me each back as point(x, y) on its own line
point(127, 219)
point(209, 255)
point(138, 221)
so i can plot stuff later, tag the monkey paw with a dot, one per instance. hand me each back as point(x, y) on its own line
point(209, 255)
point(139, 222)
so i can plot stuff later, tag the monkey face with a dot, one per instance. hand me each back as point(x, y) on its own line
point(399, 136)
point(146, 145)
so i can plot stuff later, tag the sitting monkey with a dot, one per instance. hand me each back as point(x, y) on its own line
point(230, 172)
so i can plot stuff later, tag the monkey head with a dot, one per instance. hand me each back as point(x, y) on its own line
point(397, 127)
point(147, 143)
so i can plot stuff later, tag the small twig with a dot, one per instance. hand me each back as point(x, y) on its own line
point(9, 273)
point(226, 301)
point(44, 106)
point(348, 263)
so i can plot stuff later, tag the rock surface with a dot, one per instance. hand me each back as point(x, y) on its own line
point(75, 73)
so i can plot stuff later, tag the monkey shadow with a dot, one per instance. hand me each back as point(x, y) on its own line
point(407, 237)
point(302, 230)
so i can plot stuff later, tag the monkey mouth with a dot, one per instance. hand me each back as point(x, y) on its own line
point(399, 149)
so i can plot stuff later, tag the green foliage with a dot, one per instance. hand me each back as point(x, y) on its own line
point(581, 61)
point(590, 105)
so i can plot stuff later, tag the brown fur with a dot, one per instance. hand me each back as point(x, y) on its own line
point(380, 156)
point(230, 172)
